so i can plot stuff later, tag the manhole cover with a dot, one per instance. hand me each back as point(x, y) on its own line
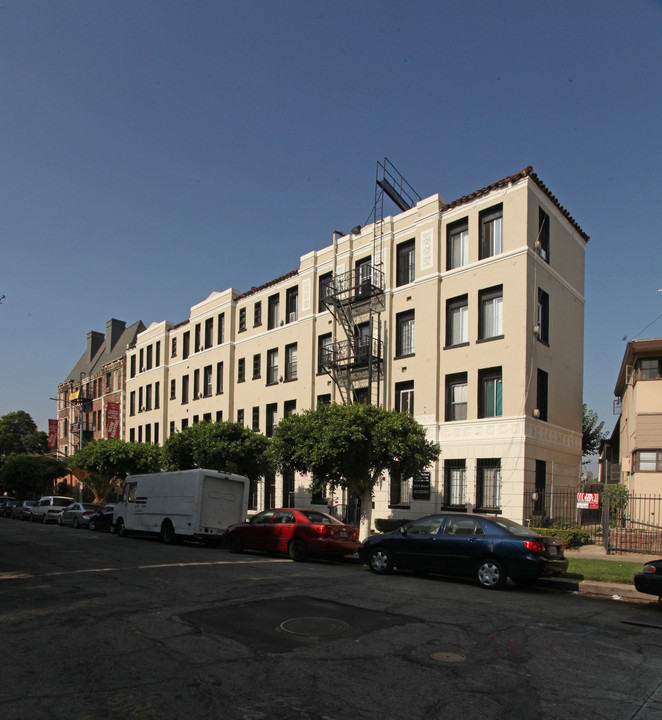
point(448, 657)
point(314, 626)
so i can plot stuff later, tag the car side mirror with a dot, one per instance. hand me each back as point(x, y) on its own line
point(402, 530)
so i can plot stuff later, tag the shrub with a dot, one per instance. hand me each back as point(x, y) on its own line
point(572, 535)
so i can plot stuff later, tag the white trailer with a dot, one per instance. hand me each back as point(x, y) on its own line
point(185, 503)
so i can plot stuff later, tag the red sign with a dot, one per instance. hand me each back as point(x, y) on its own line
point(588, 501)
point(113, 420)
point(52, 434)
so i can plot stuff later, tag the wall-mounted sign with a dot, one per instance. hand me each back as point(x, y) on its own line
point(421, 487)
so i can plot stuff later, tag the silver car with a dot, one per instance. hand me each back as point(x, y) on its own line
point(77, 514)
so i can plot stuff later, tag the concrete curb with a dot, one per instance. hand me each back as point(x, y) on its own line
point(616, 591)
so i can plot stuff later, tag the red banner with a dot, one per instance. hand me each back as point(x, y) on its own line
point(52, 434)
point(113, 420)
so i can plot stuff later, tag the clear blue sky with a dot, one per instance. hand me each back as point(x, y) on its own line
point(153, 152)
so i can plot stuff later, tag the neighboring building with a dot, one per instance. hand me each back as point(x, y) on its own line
point(637, 439)
point(90, 399)
point(469, 315)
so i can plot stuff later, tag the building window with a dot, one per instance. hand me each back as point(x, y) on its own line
point(404, 339)
point(271, 419)
point(196, 384)
point(149, 361)
point(649, 369)
point(148, 433)
point(219, 378)
point(542, 394)
point(488, 483)
point(491, 232)
point(198, 342)
point(257, 366)
point(156, 433)
point(185, 384)
point(219, 416)
point(241, 369)
point(324, 399)
point(209, 333)
point(291, 304)
point(220, 329)
point(242, 319)
point(148, 397)
point(543, 316)
point(272, 311)
point(543, 235)
point(490, 321)
point(457, 321)
point(173, 389)
point(289, 407)
point(540, 487)
point(325, 290)
point(398, 490)
point(649, 461)
point(272, 366)
point(173, 347)
point(257, 314)
point(240, 417)
point(324, 351)
point(363, 277)
point(132, 371)
point(404, 397)
point(291, 362)
point(184, 423)
point(141, 364)
point(457, 244)
point(490, 398)
point(455, 478)
point(132, 435)
point(405, 264)
point(186, 345)
point(157, 395)
point(171, 427)
point(140, 433)
point(109, 382)
point(256, 419)
point(207, 381)
point(456, 397)
point(132, 403)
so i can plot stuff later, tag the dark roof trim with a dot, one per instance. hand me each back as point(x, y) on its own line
point(511, 180)
point(271, 283)
point(636, 349)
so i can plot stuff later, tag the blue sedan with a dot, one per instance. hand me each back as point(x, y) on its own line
point(487, 548)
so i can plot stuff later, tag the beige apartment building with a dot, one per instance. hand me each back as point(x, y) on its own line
point(636, 442)
point(468, 314)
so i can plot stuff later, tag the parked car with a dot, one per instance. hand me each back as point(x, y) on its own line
point(298, 532)
point(23, 511)
point(77, 514)
point(49, 507)
point(102, 519)
point(488, 549)
point(650, 580)
point(9, 506)
point(4, 499)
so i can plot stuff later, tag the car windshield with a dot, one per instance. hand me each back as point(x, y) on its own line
point(513, 527)
point(315, 516)
point(61, 502)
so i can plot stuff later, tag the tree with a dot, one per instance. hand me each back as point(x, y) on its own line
point(222, 446)
point(592, 431)
point(108, 462)
point(19, 435)
point(351, 446)
point(30, 476)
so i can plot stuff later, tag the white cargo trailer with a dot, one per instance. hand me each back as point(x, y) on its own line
point(186, 503)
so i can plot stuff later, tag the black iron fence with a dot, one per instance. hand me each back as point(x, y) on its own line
point(618, 521)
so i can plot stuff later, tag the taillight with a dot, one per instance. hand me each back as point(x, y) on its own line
point(324, 530)
point(534, 546)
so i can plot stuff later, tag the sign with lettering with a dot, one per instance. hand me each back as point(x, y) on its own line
point(421, 487)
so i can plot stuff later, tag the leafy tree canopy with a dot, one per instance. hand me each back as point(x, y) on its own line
point(222, 446)
point(108, 462)
point(19, 434)
point(351, 446)
point(30, 476)
point(592, 431)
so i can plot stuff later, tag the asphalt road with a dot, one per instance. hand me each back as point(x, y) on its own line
point(94, 626)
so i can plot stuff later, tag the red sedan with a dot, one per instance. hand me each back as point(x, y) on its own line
point(298, 532)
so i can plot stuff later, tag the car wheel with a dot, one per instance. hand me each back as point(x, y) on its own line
point(168, 536)
point(76, 523)
point(234, 543)
point(380, 561)
point(120, 528)
point(59, 520)
point(297, 550)
point(491, 574)
point(43, 518)
point(92, 525)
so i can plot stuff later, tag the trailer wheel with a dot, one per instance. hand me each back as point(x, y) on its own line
point(234, 543)
point(168, 533)
point(120, 529)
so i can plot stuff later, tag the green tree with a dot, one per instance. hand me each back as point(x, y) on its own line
point(222, 446)
point(19, 434)
point(592, 431)
point(30, 476)
point(351, 446)
point(108, 462)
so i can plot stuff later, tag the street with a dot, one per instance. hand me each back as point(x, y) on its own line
point(95, 626)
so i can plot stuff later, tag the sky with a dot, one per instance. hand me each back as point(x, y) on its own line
point(153, 152)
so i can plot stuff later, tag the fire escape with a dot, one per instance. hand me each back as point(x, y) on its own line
point(356, 299)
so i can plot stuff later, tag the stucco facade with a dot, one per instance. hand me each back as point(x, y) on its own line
point(482, 332)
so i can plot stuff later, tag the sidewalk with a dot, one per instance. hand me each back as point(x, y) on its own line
point(617, 591)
